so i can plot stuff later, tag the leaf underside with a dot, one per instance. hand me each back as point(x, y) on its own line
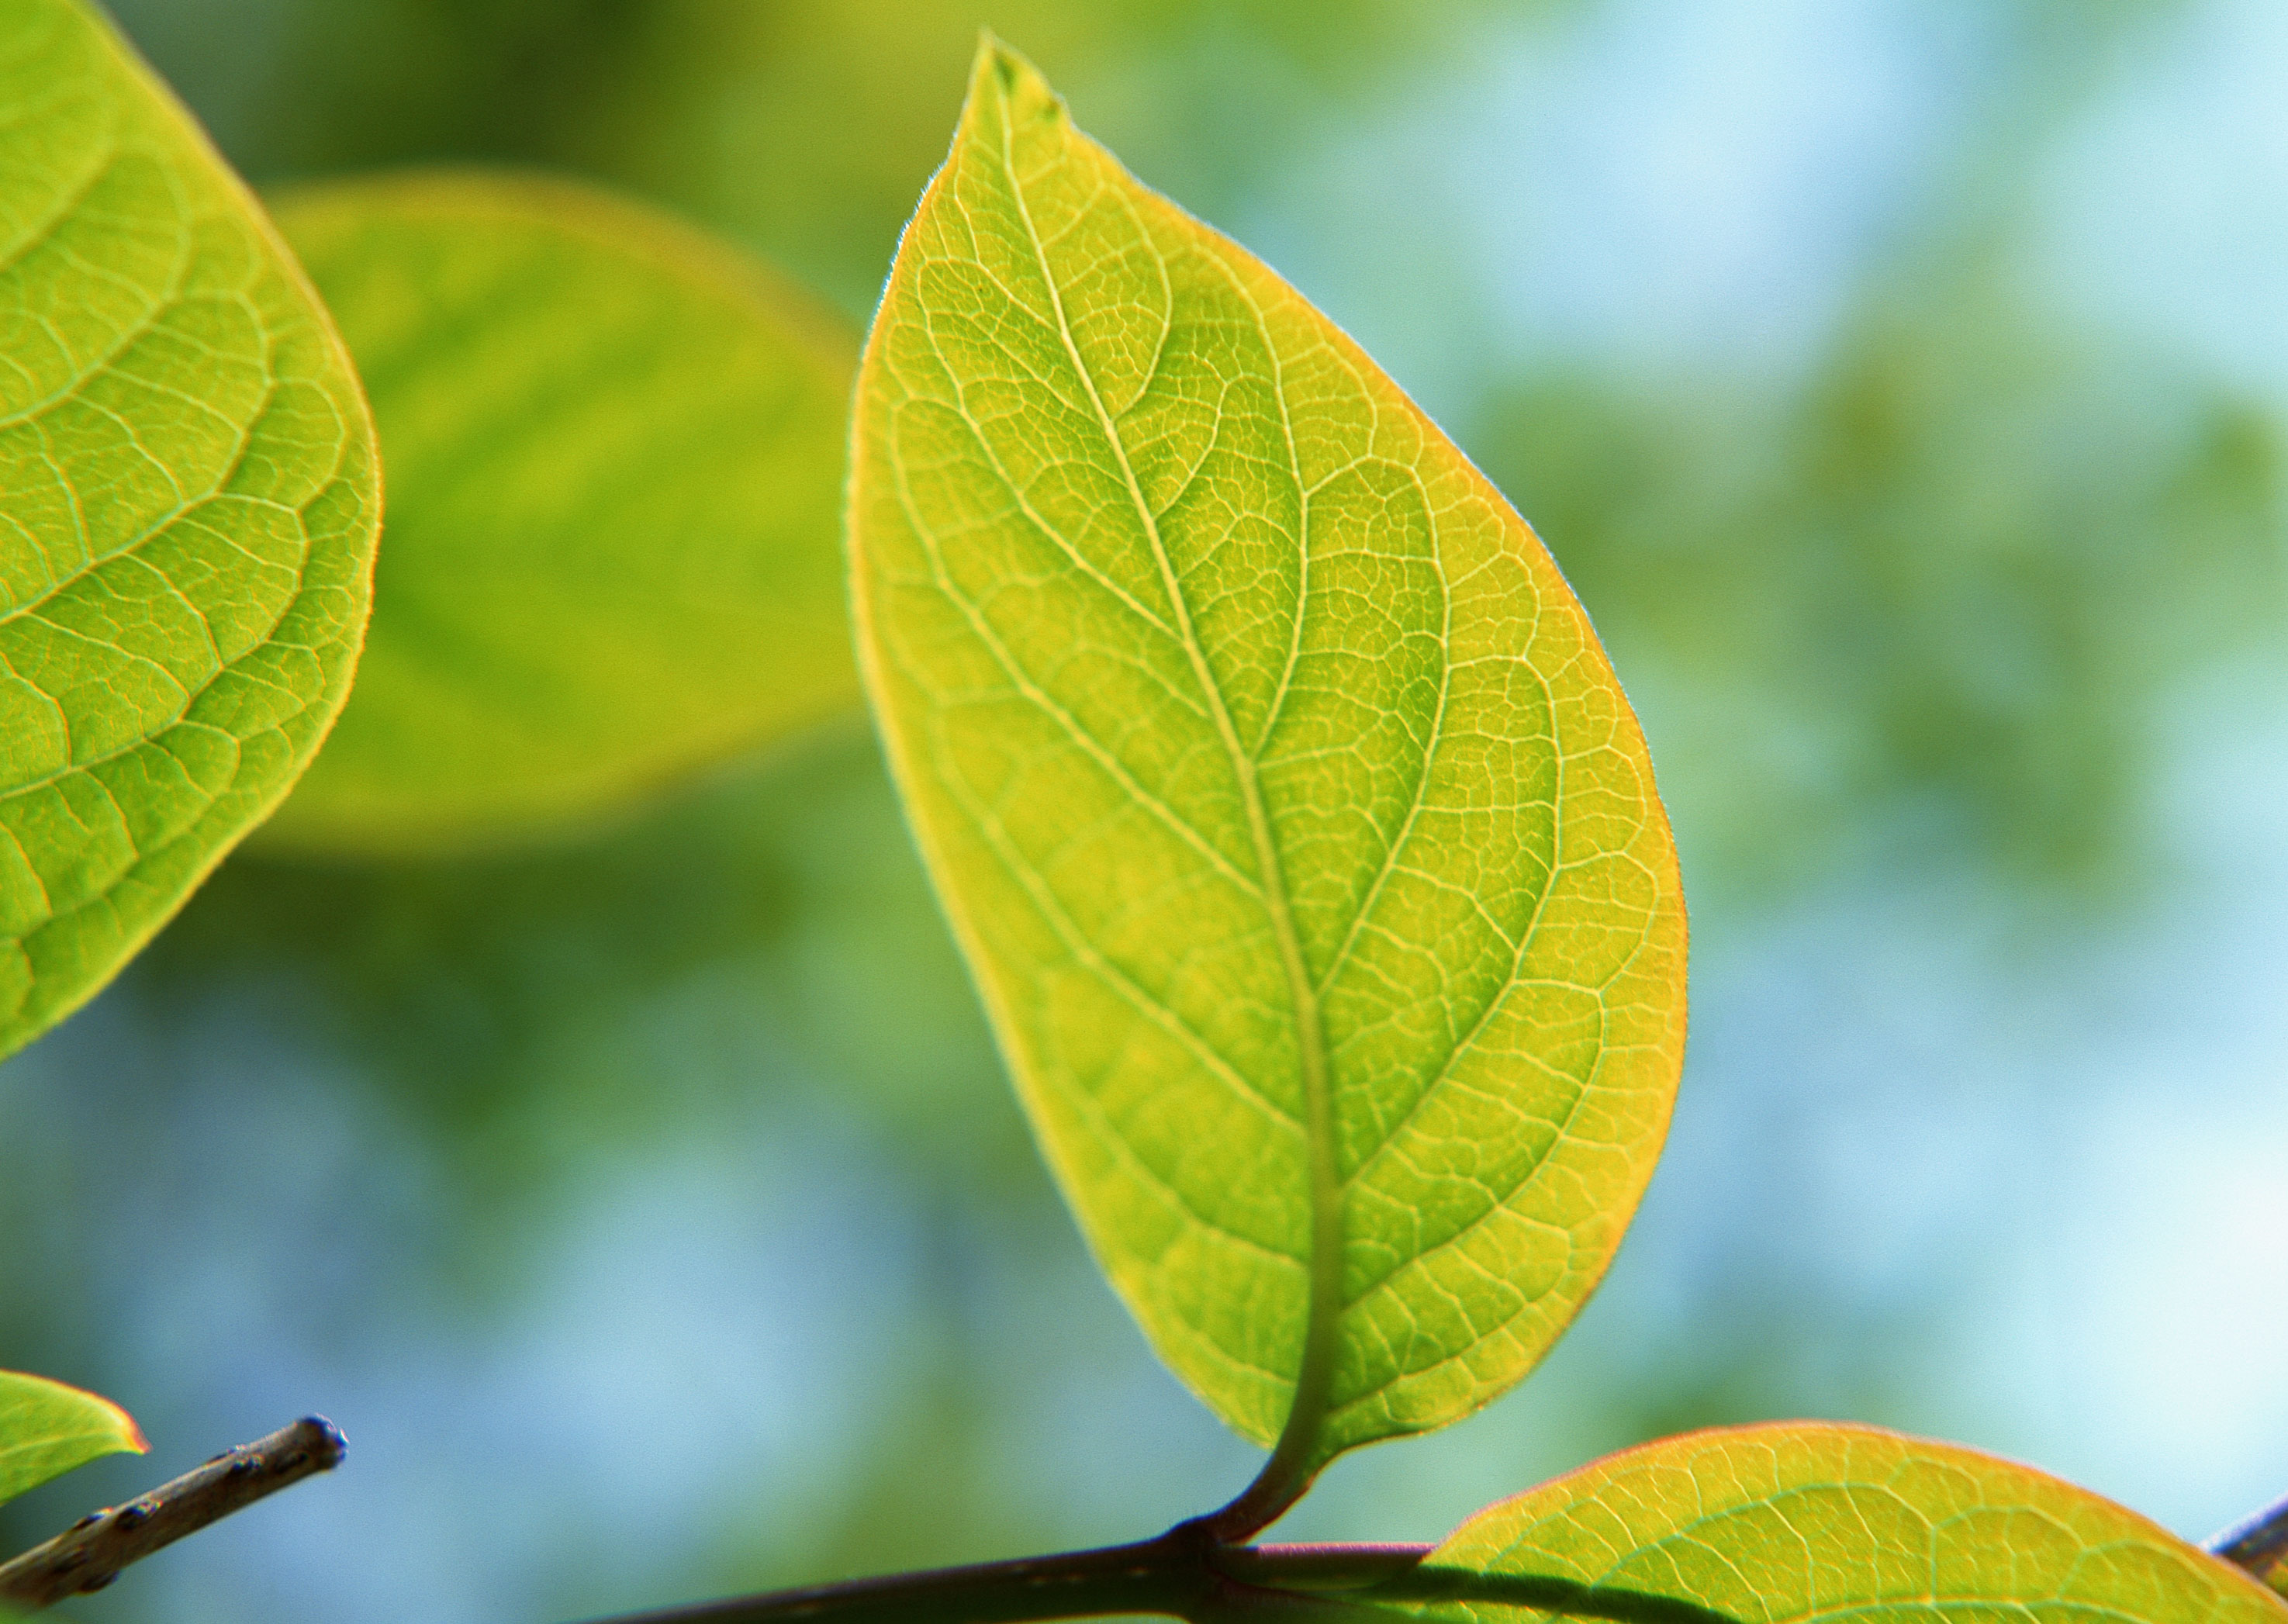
point(187, 507)
point(47, 1429)
point(611, 555)
point(1805, 1521)
point(1301, 841)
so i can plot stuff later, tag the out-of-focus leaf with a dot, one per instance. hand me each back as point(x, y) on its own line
point(1289, 814)
point(187, 505)
point(47, 1429)
point(1804, 1521)
point(614, 453)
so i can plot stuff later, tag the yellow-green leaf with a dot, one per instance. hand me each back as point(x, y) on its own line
point(614, 453)
point(187, 505)
point(47, 1429)
point(1802, 1522)
point(1295, 827)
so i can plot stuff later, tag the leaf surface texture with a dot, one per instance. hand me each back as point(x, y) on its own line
point(187, 509)
point(1800, 1522)
point(47, 1429)
point(1301, 841)
point(616, 452)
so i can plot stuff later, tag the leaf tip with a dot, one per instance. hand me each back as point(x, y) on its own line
point(1023, 94)
point(126, 1432)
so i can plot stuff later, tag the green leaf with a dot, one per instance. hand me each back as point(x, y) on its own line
point(1803, 1521)
point(47, 1429)
point(1294, 826)
point(615, 451)
point(188, 505)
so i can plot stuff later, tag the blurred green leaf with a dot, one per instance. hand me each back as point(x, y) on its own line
point(1806, 1521)
point(614, 453)
point(47, 1429)
point(187, 504)
point(533, 1016)
point(1286, 809)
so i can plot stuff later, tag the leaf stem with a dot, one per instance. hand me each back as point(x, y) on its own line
point(89, 1554)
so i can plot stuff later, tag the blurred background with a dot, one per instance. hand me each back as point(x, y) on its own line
point(1901, 384)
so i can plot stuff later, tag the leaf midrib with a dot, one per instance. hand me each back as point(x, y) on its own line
point(51, 1442)
point(1290, 1461)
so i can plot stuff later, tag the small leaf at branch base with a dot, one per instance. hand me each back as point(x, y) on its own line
point(47, 1429)
point(615, 449)
point(1804, 1522)
point(188, 499)
point(1299, 835)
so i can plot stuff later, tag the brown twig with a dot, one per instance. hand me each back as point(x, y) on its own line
point(2260, 1544)
point(1185, 1574)
point(89, 1554)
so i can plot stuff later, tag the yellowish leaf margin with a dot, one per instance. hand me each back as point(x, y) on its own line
point(1804, 1520)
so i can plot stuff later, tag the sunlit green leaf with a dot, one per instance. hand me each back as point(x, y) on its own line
point(1802, 1521)
point(615, 451)
point(47, 1429)
point(188, 505)
point(1297, 831)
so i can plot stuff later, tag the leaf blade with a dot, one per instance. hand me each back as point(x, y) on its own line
point(189, 498)
point(1270, 777)
point(1807, 1520)
point(612, 553)
point(47, 1429)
